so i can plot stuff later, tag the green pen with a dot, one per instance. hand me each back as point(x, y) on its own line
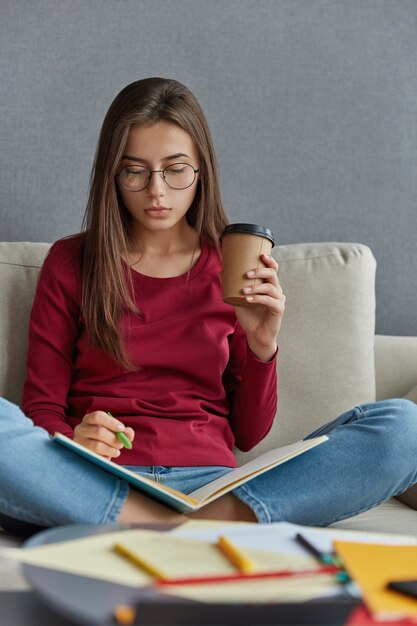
point(122, 437)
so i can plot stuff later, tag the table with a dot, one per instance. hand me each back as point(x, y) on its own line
point(23, 608)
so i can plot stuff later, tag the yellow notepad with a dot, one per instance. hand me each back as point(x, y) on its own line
point(372, 566)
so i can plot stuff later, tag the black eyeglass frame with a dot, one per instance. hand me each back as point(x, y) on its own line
point(150, 172)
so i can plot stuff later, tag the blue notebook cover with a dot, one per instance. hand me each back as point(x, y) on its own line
point(171, 497)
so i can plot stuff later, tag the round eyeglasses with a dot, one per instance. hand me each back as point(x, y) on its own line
point(176, 176)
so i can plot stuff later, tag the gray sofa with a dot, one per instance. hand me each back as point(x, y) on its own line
point(329, 360)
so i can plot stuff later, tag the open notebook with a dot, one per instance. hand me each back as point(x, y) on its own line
point(209, 492)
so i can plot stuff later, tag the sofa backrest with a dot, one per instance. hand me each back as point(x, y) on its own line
point(326, 343)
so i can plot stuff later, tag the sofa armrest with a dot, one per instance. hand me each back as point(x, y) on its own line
point(396, 375)
point(395, 365)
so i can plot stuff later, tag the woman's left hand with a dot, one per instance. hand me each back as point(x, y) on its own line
point(261, 318)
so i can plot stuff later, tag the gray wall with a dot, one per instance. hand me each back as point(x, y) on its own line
point(312, 105)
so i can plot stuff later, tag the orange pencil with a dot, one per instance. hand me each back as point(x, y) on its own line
point(236, 556)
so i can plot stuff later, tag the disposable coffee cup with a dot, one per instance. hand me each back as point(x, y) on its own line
point(242, 246)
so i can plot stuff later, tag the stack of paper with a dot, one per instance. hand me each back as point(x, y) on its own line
point(179, 557)
point(189, 551)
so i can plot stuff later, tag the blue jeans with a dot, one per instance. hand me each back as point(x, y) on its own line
point(371, 455)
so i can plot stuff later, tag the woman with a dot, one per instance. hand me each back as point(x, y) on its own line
point(128, 332)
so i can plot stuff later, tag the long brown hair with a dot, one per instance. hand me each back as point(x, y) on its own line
point(107, 288)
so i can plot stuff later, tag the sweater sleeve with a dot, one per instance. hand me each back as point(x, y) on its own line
point(251, 387)
point(53, 330)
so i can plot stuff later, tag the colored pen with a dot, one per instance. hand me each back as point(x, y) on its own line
point(122, 437)
point(327, 559)
point(200, 580)
point(235, 555)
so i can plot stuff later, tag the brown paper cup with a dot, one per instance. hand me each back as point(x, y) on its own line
point(242, 246)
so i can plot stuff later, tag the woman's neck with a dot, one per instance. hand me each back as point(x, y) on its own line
point(163, 254)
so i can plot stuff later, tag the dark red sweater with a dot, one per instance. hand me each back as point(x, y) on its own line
point(198, 390)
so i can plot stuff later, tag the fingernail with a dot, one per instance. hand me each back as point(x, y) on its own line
point(251, 273)
point(249, 298)
point(266, 256)
point(247, 289)
point(120, 426)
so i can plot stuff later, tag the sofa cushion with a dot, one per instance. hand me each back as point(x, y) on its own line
point(389, 517)
point(19, 267)
point(326, 343)
point(412, 395)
